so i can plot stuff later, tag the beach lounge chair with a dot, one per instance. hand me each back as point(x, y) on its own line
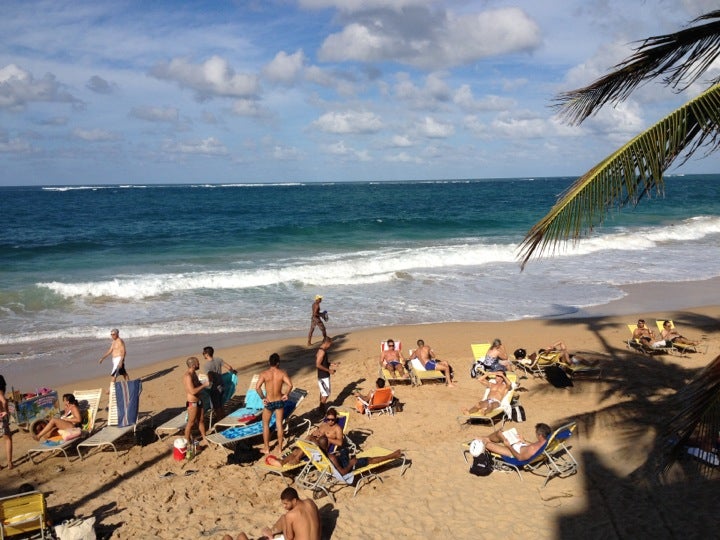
point(635, 345)
point(285, 471)
point(533, 365)
point(386, 373)
point(682, 348)
point(381, 402)
point(178, 423)
point(501, 413)
point(418, 373)
point(123, 416)
point(89, 402)
point(240, 433)
point(551, 460)
point(479, 351)
point(319, 474)
point(552, 358)
point(24, 514)
point(247, 414)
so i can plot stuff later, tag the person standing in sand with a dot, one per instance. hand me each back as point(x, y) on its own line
point(427, 357)
point(117, 350)
point(5, 432)
point(300, 522)
point(324, 370)
point(316, 319)
point(193, 387)
point(274, 400)
point(213, 368)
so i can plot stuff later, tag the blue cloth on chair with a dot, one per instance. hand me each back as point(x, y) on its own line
point(127, 396)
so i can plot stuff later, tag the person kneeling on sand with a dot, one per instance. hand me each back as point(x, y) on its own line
point(499, 386)
point(521, 449)
point(300, 522)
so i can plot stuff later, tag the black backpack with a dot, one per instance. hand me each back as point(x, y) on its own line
point(557, 377)
point(482, 465)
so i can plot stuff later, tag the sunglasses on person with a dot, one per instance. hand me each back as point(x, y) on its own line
point(330, 419)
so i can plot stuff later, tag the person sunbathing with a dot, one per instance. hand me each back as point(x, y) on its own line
point(392, 360)
point(71, 418)
point(564, 355)
point(521, 449)
point(427, 358)
point(498, 385)
point(344, 463)
point(670, 335)
point(496, 359)
point(644, 335)
point(330, 429)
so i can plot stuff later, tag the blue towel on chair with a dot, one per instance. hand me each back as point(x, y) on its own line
point(243, 432)
point(127, 396)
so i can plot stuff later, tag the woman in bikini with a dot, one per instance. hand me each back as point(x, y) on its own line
point(71, 418)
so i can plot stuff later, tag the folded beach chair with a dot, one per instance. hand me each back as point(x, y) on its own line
point(386, 373)
point(285, 471)
point(89, 402)
point(24, 514)
point(380, 403)
point(501, 413)
point(682, 348)
point(659, 347)
point(551, 460)
point(123, 416)
point(178, 423)
point(418, 373)
point(240, 433)
point(319, 474)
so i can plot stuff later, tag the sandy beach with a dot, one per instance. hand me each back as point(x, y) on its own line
point(616, 415)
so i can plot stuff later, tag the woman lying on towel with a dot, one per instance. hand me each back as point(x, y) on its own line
point(71, 418)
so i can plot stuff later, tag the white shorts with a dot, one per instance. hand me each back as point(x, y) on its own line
point(324, 386)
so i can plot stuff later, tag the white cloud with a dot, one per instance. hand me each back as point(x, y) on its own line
point(14, 146)
point(285, 68)
point(212, 78)
point(519, 125)
point(403, 157)
point(248, 107)
point(18, 88)
point(433, 40)
point(364, 5)
point(155, 114)
point(285, 153)
point(95, 135)
point(208, 147)
point(401, 141)
point(464, 99)
point(342, 150)
point(349, 122)
point(435, 129)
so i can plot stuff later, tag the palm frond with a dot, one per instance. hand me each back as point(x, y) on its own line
point(682, 57)
point(631, 172)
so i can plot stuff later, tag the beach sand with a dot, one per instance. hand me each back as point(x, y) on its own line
point(436, 497)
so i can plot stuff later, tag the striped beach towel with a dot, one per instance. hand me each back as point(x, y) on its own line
point(127, 396)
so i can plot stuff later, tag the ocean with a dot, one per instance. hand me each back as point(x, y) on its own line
point(247, 259)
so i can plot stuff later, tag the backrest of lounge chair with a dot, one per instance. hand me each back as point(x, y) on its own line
point(479, 350)
point(382, 397)
point(521, 463)
point(89, 402)
point(560, 435)
point(22, 513)
point(384, 347)
point(659, 323)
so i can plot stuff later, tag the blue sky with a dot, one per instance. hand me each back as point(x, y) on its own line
point(317, 90)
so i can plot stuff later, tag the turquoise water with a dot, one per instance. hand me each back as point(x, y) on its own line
point(161, 260)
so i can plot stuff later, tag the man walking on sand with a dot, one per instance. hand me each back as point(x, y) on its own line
point(316, 319)
point(274, 399)
point(324, 370)
point(117, 350)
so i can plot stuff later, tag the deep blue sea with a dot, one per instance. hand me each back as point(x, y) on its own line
point(164, 260)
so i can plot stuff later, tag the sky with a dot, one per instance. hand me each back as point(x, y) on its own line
point(267, 91)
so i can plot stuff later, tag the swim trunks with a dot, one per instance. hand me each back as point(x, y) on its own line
point(430, 365)
point(115, 371)
point(361, 462)
point(324, 386)
point(392, 363)
point(197, 403)
point(274, 405)
point(518, 445)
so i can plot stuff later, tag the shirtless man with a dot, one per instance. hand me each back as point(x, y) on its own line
point(300, 522)
point(499, 386)
point(670, 334)
point(117, 350)
point(644, 334)
point(330, 429)
point(392, 360)
point(427, 357)
point(522, 450)
point(325, 368)
point(316, 320)
point(193, 386)
point(274, 399)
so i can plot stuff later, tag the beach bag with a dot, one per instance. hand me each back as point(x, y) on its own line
point(517, 413)
point(76, 529)
point(477, 369)
point(557, 377)
point(145, 435)
point(482, 465)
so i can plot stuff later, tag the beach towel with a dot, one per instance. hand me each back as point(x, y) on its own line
point(242, 432)
point(127, 396)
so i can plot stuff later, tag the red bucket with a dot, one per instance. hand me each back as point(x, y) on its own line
point(179, 448)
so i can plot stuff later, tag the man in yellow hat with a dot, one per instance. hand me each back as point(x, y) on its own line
point(316, 319)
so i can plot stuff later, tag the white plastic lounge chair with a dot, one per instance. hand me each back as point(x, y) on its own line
point(239, 433)
point(123, 416)
point(89, 402)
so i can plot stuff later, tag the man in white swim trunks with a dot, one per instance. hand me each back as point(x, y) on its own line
point(522, 450)
point(117, 351)
point(499, 386)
